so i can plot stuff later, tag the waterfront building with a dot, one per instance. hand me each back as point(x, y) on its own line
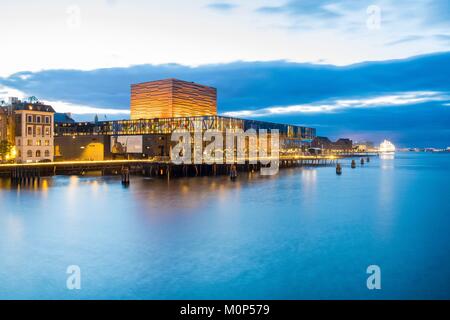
point(172, 98)
point(3, 124)
point(7, 124)
point(363, 146)
point(157, 109)
point(339, 146)
point(29, 127)
point(147, 138)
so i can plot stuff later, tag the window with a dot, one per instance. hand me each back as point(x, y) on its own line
point(29, 142)
point(47, 131)
point(47, 153)
point(38, 119)
point(38, 153)
point(47, 142)
point(47, 119)
point(18, 142)
point(19, 154)
point(38, 131)
point(30, 131)
point(29, 154)
point(29, 119)
point(38, 143)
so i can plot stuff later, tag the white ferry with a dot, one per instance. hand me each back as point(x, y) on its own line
point(386, 150)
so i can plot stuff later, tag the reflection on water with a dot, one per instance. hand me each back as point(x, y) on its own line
point(387, 156)
point(306, 233)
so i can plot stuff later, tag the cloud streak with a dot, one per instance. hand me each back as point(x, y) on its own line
point(400, 99)
point(222, 6)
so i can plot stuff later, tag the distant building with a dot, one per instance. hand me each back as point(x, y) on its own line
point(172, 98)
point(341, 145)
point(3, 124)
point(363, 146)
point(322, 143)
point(30, 128)
point(7, 124)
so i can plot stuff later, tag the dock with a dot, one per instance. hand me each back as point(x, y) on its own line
point(157, 167)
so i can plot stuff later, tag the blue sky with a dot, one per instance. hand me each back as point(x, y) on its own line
point(359, 69)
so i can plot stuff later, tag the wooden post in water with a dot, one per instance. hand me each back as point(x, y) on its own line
point(125, 176)
point(338, 169)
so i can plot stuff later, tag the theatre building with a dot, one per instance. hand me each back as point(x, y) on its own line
point(157, 109)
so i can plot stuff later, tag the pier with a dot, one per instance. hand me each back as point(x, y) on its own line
point(159, 167)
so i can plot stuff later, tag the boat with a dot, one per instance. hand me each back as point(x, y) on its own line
point(386, 150)
point(386, 147)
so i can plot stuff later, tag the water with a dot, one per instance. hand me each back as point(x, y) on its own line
point(304, 234)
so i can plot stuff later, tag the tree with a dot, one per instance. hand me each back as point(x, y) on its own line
point(5, 148)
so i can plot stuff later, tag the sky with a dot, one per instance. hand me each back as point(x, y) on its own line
point(357, 69)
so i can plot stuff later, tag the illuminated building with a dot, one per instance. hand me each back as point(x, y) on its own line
point(30, 128)
point(157, 109)
point(172, 98)
point(3, 124)
point(74, 139)
point(341, 145)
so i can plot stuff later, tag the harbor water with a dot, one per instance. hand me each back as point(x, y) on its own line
point(306, 233)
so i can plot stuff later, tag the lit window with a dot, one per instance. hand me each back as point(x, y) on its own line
point(38, 131)
point(47, 143)
point(29, 142)
point(47, 131)
point(38, 153)
point(38, 143)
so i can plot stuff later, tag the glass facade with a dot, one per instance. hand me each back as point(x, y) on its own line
point(168, 125)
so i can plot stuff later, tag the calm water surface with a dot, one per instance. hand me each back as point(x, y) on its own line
point(304, 234)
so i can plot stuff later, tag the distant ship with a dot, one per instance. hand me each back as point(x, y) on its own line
point(386, 147)
point(386, 150)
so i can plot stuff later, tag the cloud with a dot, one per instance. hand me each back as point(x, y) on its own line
point(62, 106)
point(410, 38)
point(399, 99)
point(316, 8)
point(221, 6)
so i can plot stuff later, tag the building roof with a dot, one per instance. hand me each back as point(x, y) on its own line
point(33, 107)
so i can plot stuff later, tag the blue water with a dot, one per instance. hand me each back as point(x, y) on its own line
point(303, 234)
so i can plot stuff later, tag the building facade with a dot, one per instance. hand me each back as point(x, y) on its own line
point(7, 124)
point(152, 137)
point(34, 132)
point(3, 124)
point(171, 98)
point(341, 145)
